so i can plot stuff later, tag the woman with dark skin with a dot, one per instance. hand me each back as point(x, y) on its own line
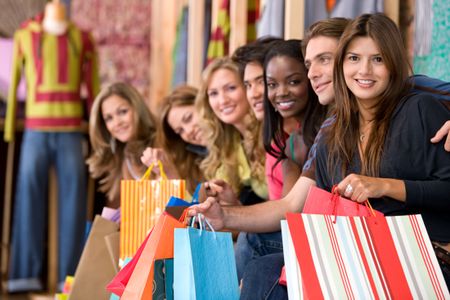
point(288, 95)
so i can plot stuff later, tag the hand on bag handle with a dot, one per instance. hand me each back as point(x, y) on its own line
point(335, 198)
point(150, 168)
point(203, 223)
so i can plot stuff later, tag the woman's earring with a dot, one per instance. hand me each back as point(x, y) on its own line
point(112, 144)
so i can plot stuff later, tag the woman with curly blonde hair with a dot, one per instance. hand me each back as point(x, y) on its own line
point(236, 154)
point(120, 128)
point(231, 131)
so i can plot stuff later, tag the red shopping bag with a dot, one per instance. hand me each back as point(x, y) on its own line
point(120, 281)
point(360, 258)
point(282, 279)
point(322, 202)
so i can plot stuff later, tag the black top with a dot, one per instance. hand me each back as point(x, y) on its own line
point(409, 155)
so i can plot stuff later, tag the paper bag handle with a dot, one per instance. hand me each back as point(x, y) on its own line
point(335, 198)
point(150, 168)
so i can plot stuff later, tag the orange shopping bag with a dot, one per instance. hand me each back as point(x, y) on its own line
point(158, 246)
point(142, 202)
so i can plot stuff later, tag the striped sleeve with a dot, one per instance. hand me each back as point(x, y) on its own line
point(16, 73)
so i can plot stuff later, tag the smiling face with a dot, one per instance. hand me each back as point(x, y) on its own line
point(287, 86)
point(184, 121)
point(226, 96)
point(118, 115)
point(319, 59)
point(365, 72)
point(254, 85)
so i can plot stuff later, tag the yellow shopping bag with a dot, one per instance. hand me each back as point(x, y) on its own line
point(142, 202)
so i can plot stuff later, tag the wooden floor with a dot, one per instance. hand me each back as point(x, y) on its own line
point(14, 296)
point(27, 296)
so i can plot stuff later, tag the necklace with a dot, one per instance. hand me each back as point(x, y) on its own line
point(130, 169)
point(362, 135)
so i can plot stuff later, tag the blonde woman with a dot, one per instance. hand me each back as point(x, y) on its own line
point(235, 152)
point(120, 128)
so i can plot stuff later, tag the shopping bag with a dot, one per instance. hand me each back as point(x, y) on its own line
point(114, 296)
point(142, 202)
point(113, 245)
point(176, 206)
point(319, 201)
point(158, 246)
point(282, 279)
point(163, 280)
point(95, 268)
point(322, 202)
point(119, 282)
point(176, 201)
point(204, 265)
point(360, 258)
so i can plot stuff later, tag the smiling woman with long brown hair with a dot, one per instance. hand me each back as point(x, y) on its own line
point(379, 145)
point(120, 128)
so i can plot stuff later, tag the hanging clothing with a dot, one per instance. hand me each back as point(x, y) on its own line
point(252, 19)
point(180, 50)
point(423, 27)
point(206, 30)
point(316, 10)
point(220, 37)
point(54, 67)
point(272, 19)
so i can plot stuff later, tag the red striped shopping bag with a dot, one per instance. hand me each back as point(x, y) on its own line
point(142, 202)
point(329, 257)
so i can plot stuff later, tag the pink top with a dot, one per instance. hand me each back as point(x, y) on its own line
point(274, 178)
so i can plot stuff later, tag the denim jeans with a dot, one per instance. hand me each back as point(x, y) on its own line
point(39, 151)
point(252, 245)
point(260, 279)
point(445, 268)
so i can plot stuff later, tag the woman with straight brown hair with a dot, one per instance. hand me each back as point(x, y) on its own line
point(378, 147)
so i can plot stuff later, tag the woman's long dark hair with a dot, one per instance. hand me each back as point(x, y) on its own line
point(274, 137)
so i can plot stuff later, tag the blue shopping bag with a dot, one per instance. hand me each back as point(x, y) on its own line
point(176, 206)
point(204, 265)
point(175, 201)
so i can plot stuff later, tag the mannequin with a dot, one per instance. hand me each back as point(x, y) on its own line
point(55, 21)
point(57, 58)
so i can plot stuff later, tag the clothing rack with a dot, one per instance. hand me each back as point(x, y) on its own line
point(165, 14)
